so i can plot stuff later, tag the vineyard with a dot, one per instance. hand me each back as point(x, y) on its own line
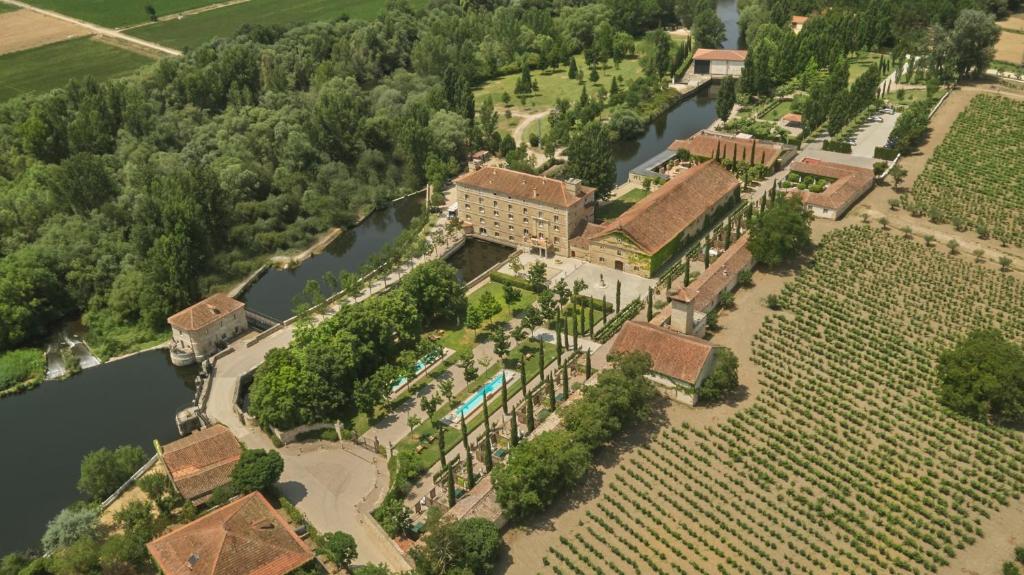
point(976, 177)
point(846, 462)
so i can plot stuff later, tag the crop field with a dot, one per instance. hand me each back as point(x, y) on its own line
point(51, 66)
point(192, 31)
point(976, 177)
point(117, 13)
point(845, 462)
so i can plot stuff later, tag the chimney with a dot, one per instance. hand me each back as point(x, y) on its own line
point(572, 185)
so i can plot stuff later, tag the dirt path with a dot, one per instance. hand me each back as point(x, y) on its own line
point(100, 30)
point(180, 15)
point(525, 122)
point(24, 29)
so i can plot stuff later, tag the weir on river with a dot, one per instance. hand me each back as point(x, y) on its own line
point(133, 401)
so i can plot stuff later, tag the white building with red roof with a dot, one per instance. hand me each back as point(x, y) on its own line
point(718, 63)
point(202, 329)
point(680, 363)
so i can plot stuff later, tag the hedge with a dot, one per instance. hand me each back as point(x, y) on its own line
point(837, 146)
point(513, 281)
point(611, 328)
point(883, 153)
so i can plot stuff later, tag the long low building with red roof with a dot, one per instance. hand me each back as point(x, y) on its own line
point(652, 231)
point(523, 210)
point(844, 186)
point(718, 63)
point(680, 363)
point(707, 145)
point(691, 304)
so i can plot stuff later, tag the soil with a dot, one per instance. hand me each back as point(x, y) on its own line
point(24, 29)
point(1010, 47)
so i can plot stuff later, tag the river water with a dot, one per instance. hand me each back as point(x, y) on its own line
point(46, 432)
point(685, 119)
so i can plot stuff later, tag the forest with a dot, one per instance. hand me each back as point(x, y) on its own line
point(124, 201)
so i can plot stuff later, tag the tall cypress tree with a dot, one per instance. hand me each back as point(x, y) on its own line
point(650, 304)
point(504, 391)
point(529, 415)
point(551, 394)
point(558, 341)
point(618, 295)
point(604, 309)
point(590, 312)
point(488, 457)
point(588, 365)
point(451, 487)
point(565, 384)
point(470, 477)
point(515, 429)
point(707, 254)
point(540, 356)
point(522, 375)
point(686, 272)
point(440, 447)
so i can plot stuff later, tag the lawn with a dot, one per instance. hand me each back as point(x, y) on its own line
point(51, 66)
point(554, 84)
point(117, 13)
point(465, 339)
point(776, 113)
point(975, 178)
point(909, 97)
point(616, 207)
point(194, 30)
point(843, 461)
point(860, 62)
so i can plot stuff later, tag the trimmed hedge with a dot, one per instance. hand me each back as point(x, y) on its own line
point(611, 328)
point(883, 153)
point(513, 281)
point(837, 146)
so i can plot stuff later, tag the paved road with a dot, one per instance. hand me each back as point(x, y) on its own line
point(100, 30)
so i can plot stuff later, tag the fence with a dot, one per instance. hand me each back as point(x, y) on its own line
point(127, 484)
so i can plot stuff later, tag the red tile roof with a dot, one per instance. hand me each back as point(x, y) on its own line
point(703, 290)
point(244, 537)
point(850, 183)
point(799, 19)
point(205, 312)
point(678, 356)
point(704, 145)
point(202, 461)
point(524, 186)
point(714, 54)
point(661, 216)
point(793, 117)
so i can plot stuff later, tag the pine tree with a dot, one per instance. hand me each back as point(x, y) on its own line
point(587, 371)
point(451, 487)
point(618, 295)
point(573, 70)
point(614, 88)
point(565, 384)
point(525, 83)
point(488, 457)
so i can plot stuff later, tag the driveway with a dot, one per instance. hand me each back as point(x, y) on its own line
point(874, 133)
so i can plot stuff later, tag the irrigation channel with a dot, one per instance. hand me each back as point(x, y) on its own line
point(133, 401)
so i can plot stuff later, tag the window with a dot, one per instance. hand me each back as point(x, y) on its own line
point(511, 227)
point(481, 209)
point(510, 217)
point(526, 220)
point(495, 213)
point(618, 252)
point(524, 211)
point(556, 228)
point(602, 257)
point(495, 203)
point(556, 218)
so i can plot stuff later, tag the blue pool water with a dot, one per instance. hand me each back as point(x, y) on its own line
point(423, 363)
point(477, 398)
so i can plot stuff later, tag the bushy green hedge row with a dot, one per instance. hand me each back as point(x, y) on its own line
point(883, 153)
point(612, 327)
point(514, 281)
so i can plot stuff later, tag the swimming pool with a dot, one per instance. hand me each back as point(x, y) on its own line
point(422, 364)
point(474, 401)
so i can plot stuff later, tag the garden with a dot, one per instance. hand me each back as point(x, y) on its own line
point(975, 179)
point(806, 182)
point(846, 462)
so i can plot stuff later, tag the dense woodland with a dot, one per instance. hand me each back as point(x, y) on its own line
point(127, 200)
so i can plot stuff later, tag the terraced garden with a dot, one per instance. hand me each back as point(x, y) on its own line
point(975, 179)
point(845, 462)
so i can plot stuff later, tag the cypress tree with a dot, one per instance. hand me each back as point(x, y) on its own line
point(540, 356)
point(573, 70)
point(576, 339)
point(565, 334)
point(470, 478)
point(588, 365)
point(488, 457)
point(529, 415)
point(551, 394)
point(522, 365)
point(515, 429)
point(565, 384)
point(707, 255)
point(440, 447)
point(451, 487)
point(604, 309)
point(504, 391)
point(591, 312)
point(686, 272)
point(558, 341)
point(579, 322)
point(650, 304)
point(618, 295)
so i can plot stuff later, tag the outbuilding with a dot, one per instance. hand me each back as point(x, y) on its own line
point(718, 63)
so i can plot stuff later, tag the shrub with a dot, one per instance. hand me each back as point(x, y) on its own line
point(339, 547)
point(70, 525)
point(20, 365)
point(104, 470)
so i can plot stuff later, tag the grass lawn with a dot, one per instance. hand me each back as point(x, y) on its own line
point(464, 339)
point(554, 84)
point(194, 30)
point(51, 66)
point(776, 113)
point(860, 62)
point(453, 435)
point(117, 13)
point(616, 207)
point(909, 96)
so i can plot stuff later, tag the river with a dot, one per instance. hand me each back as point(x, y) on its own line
point(685, 119)
point(133, 401)
point(48, 430)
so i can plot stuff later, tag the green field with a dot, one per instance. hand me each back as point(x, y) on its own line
point(193, 31)
point(117, 13)
point(860, 62)
point(51, 66)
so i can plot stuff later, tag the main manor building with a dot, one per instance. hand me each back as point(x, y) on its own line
point(532, 212)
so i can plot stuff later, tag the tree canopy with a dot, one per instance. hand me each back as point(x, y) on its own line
point(781, 232)
point(982, 377)
point(468, 546)
point(537, 471)
point(256, 470)
point(724, 379)
point(104, 470)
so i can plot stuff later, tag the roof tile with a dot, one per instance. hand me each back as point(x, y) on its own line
point(673, 354)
